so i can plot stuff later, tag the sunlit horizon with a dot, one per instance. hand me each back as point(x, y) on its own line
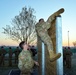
point(9, 42)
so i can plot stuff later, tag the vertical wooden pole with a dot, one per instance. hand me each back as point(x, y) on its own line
point(39, 47)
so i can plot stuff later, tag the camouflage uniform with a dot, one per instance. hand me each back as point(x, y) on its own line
point(68, 58)
point(26, 62)
point(42, 32)
point(41, 29)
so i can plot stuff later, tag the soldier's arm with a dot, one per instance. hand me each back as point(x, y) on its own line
point(48, 25)
point(20, 64)
point(53, 16)
point(21, 61)
point(36, 28)
point(36, 63)
point(21, 57)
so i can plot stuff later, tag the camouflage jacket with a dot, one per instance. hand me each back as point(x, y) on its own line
point(25, 60)
point(44, 26)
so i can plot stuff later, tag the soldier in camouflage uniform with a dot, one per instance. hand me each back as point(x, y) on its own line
point(26, 61)
point(17, 51)
point(42, 32)
point(3, 53)
point(68, 57)
point(10, 56)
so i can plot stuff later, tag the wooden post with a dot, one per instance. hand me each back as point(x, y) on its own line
point(39, 47)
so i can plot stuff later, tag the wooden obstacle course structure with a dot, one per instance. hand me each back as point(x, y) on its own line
point(50, 67)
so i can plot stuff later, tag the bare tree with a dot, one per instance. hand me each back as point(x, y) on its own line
point(22, 26)
point(74, 43)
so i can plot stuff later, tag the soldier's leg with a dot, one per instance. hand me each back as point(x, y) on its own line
point(47, 40)
point(15, 59)
point(69, 61)
point(3, 60)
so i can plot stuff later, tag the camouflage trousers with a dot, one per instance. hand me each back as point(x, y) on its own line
point(47, 40)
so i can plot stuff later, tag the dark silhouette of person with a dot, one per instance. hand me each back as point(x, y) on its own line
point(68, 58)
point(34, 52)
point(64, 55)
point(10, 56)
point(17, 51)
point(2, 55)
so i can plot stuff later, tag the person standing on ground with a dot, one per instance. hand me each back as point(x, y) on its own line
point(26, 62)
point(3, 52)
point(68, 58)
point(10, 56)
point(17, 51)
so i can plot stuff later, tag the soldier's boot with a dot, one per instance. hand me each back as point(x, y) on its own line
point(53, 56)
